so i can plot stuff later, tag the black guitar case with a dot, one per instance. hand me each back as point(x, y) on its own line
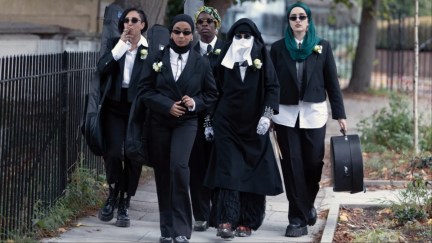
point(347, 163)
point(158, 37)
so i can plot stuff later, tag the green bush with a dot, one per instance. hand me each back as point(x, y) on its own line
point(392, 128)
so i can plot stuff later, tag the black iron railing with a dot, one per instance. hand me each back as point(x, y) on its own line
point(41, 104)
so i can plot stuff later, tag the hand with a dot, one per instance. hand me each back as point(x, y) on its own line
point(263, 125)
point(177, 109)
point(343, 126)
point(125, 36)
point(209, 134)
point(188, 102)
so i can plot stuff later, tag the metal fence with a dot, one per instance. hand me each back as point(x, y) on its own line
point(41, 104)
point(394, 56)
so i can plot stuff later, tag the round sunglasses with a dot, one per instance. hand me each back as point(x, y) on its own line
point(134, 20)
point(294, 18)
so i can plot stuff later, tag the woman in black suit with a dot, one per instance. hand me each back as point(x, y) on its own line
point(176, 85)
point(307, 74)
point(122, 62)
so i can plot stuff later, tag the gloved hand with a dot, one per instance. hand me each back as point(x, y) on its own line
point(209, 134)
point(263, 125)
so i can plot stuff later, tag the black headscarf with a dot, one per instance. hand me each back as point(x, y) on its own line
point(249, 23)
point(181, 18)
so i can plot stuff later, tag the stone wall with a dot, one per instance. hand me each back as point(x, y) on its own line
point(83, 15)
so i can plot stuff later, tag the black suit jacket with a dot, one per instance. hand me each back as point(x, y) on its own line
point(159, 90)
point(212, 56)
point(320, 77)
point(110, 68)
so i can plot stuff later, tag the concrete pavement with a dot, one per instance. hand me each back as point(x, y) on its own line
point(145, 217)
point(145, 220)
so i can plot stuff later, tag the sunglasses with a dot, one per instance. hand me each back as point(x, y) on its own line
point(133, 20)
point(185, 32)
point(209, 21)
point(294, 18)
point(239, 36)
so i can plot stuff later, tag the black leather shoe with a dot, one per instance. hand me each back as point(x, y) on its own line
point(122, 213)
point(225, 231)
point(312, 217)
point(200, 226)
point(295, 230)
point(181, 239)
point(106, 213)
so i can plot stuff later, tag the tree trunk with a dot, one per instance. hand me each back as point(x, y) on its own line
point(415, 83)
point(365, 51)
point(154, 9)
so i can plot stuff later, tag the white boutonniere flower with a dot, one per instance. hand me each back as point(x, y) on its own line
point(217, 51)
point(318, 48)
point(257, 63)
point(157, 66)
point(144, 54)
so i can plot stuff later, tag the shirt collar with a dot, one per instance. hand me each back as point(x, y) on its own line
point(143, 41)
point(174, 55)
point(203, 45)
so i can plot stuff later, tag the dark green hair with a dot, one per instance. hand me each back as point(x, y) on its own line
point(309, 41)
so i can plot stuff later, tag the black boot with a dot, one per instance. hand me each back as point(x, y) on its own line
point(106, 213)
point(122, 212)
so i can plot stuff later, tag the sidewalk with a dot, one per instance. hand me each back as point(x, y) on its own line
point(145, 217)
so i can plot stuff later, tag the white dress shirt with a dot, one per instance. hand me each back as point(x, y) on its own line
point(203, 46)
point(119, 50)
point(177, 66)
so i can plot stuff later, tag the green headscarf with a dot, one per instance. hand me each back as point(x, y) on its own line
point(309, 41)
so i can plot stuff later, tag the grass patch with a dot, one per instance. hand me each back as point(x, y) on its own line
point(84, 193)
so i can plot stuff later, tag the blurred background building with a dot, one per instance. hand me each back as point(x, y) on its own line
point(50, 26)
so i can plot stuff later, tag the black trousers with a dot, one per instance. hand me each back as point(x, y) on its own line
point(302, 163)
point(170, 148)
point(238, 208)
point(119, 169)
point(198, 164)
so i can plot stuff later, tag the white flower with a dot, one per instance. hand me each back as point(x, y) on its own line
point(144, 53)
point(217, 51)
point(257, 63)
point(157, 66)
point(318, 48)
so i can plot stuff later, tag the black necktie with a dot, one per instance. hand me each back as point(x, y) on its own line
point(209, 49)
point(300, 68)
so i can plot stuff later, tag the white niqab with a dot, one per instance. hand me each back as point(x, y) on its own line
point(239, 51)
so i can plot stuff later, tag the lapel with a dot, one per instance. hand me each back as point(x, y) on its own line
point(310, 64)
point(183, 80)
point(138, 62)
point(291, 66)
point(168, 75)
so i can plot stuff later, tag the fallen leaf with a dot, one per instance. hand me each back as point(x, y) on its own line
point(385, 211)
point(343, 217)
point(61, 230)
